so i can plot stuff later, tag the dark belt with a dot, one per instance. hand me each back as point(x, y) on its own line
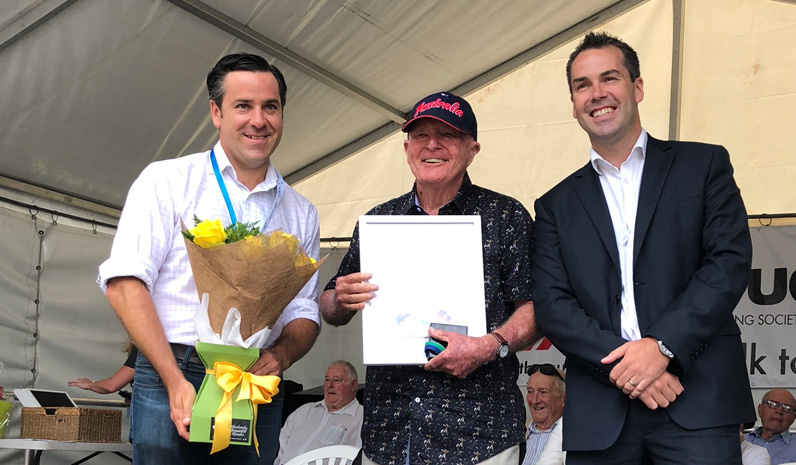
point(179, 351)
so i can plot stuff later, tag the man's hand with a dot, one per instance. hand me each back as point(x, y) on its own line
point(349, 295)
point(463, 355)
point(662, 392)
point(642, 363)
point(269, 363)
point(181, 397)
point(351, 292)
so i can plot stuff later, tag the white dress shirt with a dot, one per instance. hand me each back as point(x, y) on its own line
point(621, 189)
point(313, 426)
point(545, 447)
point(149, 245)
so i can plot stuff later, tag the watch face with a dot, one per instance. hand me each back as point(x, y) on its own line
point(503, 351)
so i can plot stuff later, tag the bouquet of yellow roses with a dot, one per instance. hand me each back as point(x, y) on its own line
point(245, 280)
point(242, 269)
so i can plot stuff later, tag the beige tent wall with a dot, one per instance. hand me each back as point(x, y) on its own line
point(738, 91)
point(735, 91)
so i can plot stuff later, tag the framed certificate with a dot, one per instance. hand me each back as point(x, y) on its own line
point(429, 269)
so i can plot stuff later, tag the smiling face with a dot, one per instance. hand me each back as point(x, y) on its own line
point(438, 154)
point(338, 389)
point(544, 400)
point(249, 122)
point(604, 99)
point(775, 420)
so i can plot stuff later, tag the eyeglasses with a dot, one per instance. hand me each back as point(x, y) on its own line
point(550, 370)
point(773, 405)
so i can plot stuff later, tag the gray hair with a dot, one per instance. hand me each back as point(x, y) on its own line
point(350, 370)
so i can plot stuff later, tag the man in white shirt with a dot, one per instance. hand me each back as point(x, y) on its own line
point(546, 395)
point(640, 257)
point(148, 279)
point(337, 419)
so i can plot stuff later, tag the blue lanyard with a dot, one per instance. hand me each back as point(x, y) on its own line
point(280, 188)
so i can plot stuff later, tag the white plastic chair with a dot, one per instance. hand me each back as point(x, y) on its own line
point(337, 455)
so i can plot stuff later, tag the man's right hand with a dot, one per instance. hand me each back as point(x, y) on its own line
point(181, 397)
point(349, 295)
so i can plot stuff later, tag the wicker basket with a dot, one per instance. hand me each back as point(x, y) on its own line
point(71, 424)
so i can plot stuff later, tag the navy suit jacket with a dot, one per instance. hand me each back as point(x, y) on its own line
point(692, 255)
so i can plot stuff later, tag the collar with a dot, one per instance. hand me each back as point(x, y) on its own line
point(785, 435)
point(350, 409)
point(272, 177)
point(456, 206)
point(532, 429)
point(639, 152)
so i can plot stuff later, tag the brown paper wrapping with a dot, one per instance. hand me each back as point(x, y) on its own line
point(257, 279)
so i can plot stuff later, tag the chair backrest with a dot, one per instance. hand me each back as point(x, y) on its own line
point(345, 454)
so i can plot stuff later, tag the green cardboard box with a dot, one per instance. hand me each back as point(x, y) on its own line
point(210, 395)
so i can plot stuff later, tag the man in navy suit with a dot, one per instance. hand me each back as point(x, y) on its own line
point(640, 258)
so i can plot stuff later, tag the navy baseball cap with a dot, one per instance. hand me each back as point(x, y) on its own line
point(448, 108)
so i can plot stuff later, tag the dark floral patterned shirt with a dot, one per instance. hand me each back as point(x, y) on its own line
point(439, 418)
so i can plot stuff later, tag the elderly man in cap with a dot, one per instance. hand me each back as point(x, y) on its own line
point(464, 405)
point(777, 411)
point(546, 395)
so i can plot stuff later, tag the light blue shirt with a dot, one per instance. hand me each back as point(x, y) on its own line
point(781, 447)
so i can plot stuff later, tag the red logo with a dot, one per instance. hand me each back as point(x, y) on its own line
point(438, 103)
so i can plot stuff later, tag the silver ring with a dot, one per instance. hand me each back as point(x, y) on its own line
point(630, 382)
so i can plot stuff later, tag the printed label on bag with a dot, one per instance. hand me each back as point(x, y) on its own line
point(240, 430)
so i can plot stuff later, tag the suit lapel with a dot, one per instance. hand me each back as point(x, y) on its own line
point(591, 196)
point(659, 158)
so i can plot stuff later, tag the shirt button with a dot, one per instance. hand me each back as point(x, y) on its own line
point(417, 399)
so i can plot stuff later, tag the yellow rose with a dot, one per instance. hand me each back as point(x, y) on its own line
point(208, 234)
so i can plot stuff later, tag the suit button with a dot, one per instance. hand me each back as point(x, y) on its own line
point(618, 300)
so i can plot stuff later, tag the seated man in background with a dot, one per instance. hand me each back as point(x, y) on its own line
point(777, 412)
point(546, 394)
point(337, 419)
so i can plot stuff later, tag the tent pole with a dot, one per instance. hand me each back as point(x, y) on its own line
point(675, 95)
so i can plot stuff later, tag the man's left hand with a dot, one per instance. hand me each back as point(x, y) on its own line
point(463, 355)
point(269, 363)
point(642, 363)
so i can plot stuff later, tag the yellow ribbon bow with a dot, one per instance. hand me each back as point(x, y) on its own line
point(257, 389)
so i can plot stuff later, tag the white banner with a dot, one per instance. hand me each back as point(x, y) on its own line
point(766, 314)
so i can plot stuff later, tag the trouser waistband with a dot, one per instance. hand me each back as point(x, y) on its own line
point(181, 350)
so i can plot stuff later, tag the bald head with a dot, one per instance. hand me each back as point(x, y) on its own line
point(773, 415)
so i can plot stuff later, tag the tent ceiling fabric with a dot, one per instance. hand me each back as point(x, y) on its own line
point(97, 89)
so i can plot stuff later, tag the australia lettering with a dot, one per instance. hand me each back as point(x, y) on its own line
point(438, 103)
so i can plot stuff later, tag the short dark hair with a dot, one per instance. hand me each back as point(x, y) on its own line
point(241, 62)
point(594, 40)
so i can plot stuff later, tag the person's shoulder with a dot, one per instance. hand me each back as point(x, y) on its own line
point(395, 206)
point(304, 410)
point(297, 199)
point(493, 196)
point(684, 146)
point(176, 166)
point(565, 186)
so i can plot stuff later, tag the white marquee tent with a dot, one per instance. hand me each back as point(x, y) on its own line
point(94, 90)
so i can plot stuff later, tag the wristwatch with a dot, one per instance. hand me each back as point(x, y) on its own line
point(664, 350)
point(503, 348)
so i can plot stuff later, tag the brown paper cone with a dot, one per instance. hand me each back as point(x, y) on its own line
point(259, 281)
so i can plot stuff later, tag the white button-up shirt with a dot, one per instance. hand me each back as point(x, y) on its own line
point(621, 188)
point(149, 243)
